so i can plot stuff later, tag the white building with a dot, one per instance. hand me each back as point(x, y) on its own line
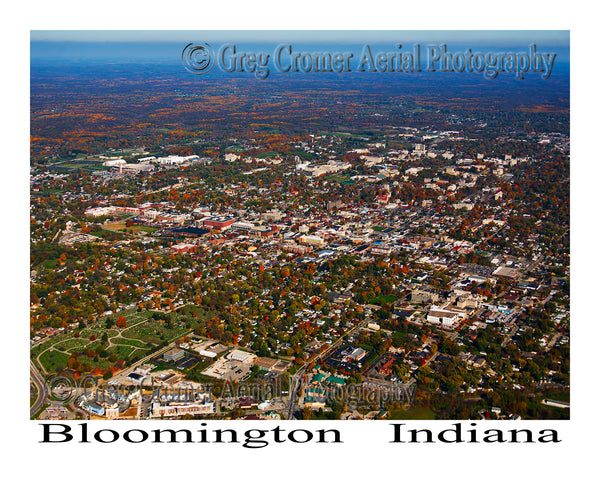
point(312, 240)
point(442, 317)
point(241, 356)
point(100, 211)
point(206, 353)
point(447, 316)
point(171, 410)
point(113, 163)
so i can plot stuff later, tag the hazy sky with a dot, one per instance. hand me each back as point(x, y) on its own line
point(506, 37)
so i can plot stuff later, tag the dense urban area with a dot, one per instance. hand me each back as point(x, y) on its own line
point(414, 266)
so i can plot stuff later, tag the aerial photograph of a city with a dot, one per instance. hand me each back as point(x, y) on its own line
point(299, 225)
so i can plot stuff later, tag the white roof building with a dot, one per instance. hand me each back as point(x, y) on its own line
point(241, 356)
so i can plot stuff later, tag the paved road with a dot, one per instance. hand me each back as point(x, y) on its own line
point(509, 336)
point(295, 380)
point(42, 390)
point(552, 342)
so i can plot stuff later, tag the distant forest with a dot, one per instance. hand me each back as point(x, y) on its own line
point(89, 109)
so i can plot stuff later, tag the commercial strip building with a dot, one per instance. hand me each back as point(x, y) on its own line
point(176, 410)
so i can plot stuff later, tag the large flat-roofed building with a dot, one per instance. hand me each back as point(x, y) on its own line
point(241, 356)
point(175, 159)
point(136, 377)
point(206, 353)
point(243, 226)
point(99, 211)
point(281, 366)
point(381, 249)
point(175, 410)
point(506, 272)
point(173, 355)
point(273, 215)
point(184, 247)
point(93, 407)
point(312, 240)
point(447, 316)
point(136, 167)
point(295, 248)
point(441, 317)
point(109, 210)
point(218, 223)
point(264, 363)
point(356, 354)
point(114, 162)
point(424, 295)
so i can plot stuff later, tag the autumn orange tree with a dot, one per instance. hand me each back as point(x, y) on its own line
point(121, 322)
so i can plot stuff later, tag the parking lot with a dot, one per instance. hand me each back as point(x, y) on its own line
point(229, 369)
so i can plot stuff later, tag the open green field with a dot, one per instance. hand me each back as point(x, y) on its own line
point(51, 360)
point(189, 310)
point(121, 226)
point(384, 299)
point(123, 351)
point(50, 264)
point(342, 134)
point(413, 413)
point(131, 343)
point(560, 396)
point(338, 178)
point(87, 165)
point(109, 234)
point(266, 155)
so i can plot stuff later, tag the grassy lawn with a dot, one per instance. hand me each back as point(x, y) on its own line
point(52, 360)
point(384, 299)
point(139, 228)
point(98, 330)
point(106, 234)
point(122, 226)
point(266, 155)
point(140, 330)
point(189, 310)
point(44, 346)
point(131, 343)
point(413, 413)
point(560, 396)
point(83, 164)
point(156, 332)
point(50, 264)
point(73, 344)
point(340, 134)
point(338, 178)
point(122, 351)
